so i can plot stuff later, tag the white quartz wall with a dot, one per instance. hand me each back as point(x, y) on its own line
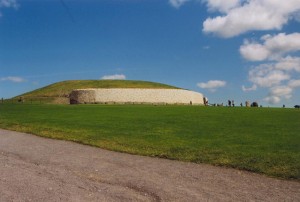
point(121, 95)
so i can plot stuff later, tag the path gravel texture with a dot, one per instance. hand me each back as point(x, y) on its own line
point(39, 169)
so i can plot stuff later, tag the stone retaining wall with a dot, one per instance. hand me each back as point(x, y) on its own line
point(135, 96)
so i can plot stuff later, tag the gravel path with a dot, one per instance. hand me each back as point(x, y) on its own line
point(39, 169)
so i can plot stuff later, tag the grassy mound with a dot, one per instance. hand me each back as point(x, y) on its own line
point(59, 92)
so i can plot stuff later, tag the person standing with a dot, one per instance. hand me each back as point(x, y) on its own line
point(229, 103)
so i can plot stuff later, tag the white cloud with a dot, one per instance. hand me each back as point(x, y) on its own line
point(297, 16)
point(277, 93)
point(221, 5)
point(272, 48)
point(288, 64)
point(205, 47)
point(177, 3)
point(250, 15)
point(254, 51)
point(266, 76)
point(278, 77)
point(252, 88)
point(212, 85)
point(279, 73)
point(14, 79)
point(280, 62)
point(282, 43)
point(9, 4)
point(272, 99)
point(281, 91)
point(114, 77)
point(294, 83)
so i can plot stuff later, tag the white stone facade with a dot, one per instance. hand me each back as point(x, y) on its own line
point(135, 96)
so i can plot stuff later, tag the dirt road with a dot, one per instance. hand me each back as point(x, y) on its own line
point(39, 169)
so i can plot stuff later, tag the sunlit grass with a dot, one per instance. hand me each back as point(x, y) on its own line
point(263, 140)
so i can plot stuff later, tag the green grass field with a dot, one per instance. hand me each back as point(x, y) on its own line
point(262, 140)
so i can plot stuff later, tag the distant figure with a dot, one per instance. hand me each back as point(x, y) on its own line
point(232, 102)
point(254, 104)
point(241, 104)
point(205, 101)
point(229, 103)
point(247, 103)
point(283, 106)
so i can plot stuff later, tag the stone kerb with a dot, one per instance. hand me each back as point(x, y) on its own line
point(82, 96)
point(136, 96)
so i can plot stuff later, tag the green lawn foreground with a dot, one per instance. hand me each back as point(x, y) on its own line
point(262, 140)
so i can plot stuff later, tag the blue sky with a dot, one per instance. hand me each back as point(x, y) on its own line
point(236, 49)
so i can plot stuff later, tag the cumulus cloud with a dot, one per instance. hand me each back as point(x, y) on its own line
point(278, 80)
point(254, 51)
point(272, 47)
point(272, 99)
point(266, 76)
point(212, 85)
point(14, 79)
point(288, 64)
point(8, 4)
point(205, 47)
point(243, 16)
point(281, 91)
point(294, 83)
point(276, 77)
point(177, 3)
point(252, 88)
point(114, 77)
point(280, 64)
point(277, 93)
point(221, 5)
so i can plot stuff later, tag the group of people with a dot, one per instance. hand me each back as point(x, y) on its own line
point(231, 103)
point(247, 104)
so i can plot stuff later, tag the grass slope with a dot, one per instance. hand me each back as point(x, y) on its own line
point(263, 140)
point(62, 89)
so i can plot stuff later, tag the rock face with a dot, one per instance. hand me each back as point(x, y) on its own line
point(135, 96)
